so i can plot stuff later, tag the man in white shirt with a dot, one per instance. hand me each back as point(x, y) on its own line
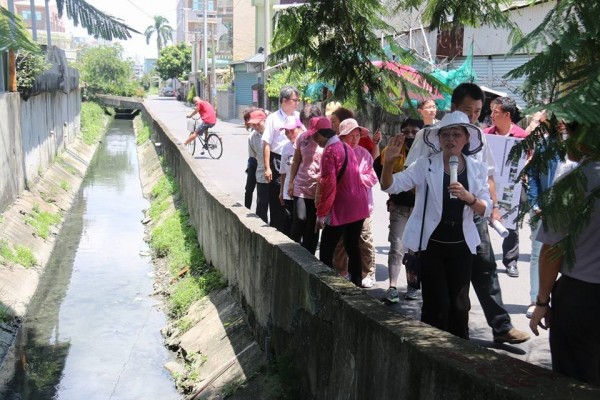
point(273, 141)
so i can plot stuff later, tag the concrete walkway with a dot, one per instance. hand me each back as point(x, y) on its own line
point(230, 178)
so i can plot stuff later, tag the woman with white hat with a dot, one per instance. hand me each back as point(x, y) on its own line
point(441, 226)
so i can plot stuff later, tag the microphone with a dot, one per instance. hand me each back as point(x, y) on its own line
point(453, 162)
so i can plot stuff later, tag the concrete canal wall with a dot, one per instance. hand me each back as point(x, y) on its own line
point(341, 343)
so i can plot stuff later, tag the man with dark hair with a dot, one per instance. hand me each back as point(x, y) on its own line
point(273, 141)
point(468, 98)
point(504, 110)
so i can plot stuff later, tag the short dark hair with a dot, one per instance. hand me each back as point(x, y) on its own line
point(412, 122)
point(506, 104)
point(466, 89)
point(343, 113)
point(326, 133)
point(421, 103)
point(287, 92)
point(308, 112)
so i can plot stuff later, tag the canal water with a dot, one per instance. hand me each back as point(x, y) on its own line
point(93, 328)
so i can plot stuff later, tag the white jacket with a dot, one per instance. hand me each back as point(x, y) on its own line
point(420, 174)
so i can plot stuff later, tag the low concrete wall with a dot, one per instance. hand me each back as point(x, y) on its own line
point(342, 343)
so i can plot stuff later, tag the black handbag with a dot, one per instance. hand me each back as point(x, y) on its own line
point(412, 260)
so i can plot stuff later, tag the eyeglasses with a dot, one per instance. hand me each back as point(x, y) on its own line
point(409, 131)
point(295, 100)
point(453, 135)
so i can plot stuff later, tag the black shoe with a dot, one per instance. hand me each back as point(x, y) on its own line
point(512, 271)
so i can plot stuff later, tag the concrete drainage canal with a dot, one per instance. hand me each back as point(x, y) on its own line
point(93, 327)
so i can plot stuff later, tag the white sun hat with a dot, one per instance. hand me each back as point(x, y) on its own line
point(432, 138)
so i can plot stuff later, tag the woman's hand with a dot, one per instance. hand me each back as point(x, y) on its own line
point(458, 190)
point(394, 149)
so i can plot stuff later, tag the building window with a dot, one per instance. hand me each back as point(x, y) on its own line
point(26, 14)
point(199, 5)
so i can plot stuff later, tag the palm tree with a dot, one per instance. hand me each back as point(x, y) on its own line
point(163, 31)
point(97, 23)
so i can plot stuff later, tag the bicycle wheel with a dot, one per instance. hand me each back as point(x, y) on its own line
point(214, 146)
point(191, 146)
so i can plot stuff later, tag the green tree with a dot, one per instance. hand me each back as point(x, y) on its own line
point(163, 31)
point(13, 34)
point(174, 62)
point(103, 70)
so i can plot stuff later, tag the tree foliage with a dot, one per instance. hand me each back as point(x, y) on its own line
point(338, 40)
point(13, 34)
point(174, 62)
point(103, 70)
point(162, 30)
point(97, 23)
point(29, 66)
point(564, 79)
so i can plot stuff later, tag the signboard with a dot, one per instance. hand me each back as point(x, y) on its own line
point(508, 187)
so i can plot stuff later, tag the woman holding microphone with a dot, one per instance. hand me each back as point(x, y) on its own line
point(450, 187)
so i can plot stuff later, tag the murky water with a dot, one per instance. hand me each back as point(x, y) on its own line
point(92, 330)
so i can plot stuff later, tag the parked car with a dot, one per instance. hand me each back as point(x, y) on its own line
point(166, 91)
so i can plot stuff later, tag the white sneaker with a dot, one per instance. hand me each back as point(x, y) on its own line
point(368, 282)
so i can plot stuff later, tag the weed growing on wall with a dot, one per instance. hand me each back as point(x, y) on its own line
point(18, 255)
point(93, 121)
point(41, 221)
point(142, 130)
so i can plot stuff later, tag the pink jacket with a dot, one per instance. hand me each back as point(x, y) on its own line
point(368, 177)
point(346, 201)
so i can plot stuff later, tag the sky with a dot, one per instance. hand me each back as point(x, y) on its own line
point(138, 14)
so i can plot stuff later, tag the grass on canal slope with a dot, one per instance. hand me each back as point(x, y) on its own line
point(93, 122)
point(19, 254)
point(41, 221)
point(175, 240)
point(142, 131)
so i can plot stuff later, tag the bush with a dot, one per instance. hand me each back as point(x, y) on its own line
point(191, 94)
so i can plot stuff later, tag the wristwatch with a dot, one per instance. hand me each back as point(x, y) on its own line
point(496, 206)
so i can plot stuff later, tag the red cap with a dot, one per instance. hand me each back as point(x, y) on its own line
point(317, 123)
point(256, 116)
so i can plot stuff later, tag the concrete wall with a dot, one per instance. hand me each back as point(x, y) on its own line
point(340, 342)
point(12, 170)
point(32, 134)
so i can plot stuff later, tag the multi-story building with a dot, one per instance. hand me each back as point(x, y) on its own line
point(41, 20)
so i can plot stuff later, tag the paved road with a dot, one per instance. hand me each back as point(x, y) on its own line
point(231, 178)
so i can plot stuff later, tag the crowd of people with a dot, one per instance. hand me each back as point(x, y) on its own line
point(314, 175)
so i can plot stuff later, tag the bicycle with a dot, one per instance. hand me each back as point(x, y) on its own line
point(213, 142)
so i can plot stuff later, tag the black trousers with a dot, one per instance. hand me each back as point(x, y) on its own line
point(303, 224)
point(510, 248)
point(445, 276)
point(262, 201)
point(575, 329)
point(250, 185)
point(286, 218)
point(351, 233)
point(485, 282)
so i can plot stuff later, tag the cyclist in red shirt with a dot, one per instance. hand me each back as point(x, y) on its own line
point(208, 117)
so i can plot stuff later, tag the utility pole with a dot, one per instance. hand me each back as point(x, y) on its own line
point(48, 27)
point(33, 20)
point(267, 40)
point(205, 45)
point(213, 86)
